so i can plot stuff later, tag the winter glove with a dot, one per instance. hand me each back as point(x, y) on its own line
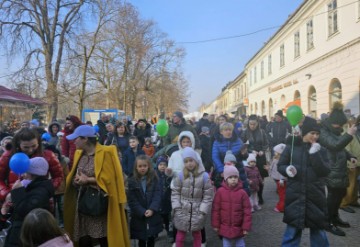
point(291, 171)
point(315, 147)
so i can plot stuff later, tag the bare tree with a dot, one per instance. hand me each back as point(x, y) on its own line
point(39, 29)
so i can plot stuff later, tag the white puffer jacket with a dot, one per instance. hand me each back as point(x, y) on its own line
point(191, 200)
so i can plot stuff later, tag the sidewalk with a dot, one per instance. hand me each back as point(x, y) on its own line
point(268, 228)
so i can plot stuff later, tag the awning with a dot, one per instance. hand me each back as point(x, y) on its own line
point(295, 102)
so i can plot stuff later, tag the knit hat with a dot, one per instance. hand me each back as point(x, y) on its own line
point(229, 157)
point(35, 122)
point(161, 158)
point(179, 114)
point(252, 157)
point(205, 129)
point(38, 166)
point(230, 171)
point(279, 148)
point(308, 125)
point(337, 116)
point(279, 113)
point(188, 152)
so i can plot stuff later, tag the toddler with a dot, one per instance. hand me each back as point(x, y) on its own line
point(255, 180)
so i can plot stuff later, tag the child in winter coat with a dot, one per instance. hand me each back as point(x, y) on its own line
point(231, 209)
point(144, 199)
point(205, 144)
point(130, 155)
point(41, 229)
point(255, 180)
point(165, 210)
point(191, 198)
point(34, 191)
point(148, 147)
point(279, 179)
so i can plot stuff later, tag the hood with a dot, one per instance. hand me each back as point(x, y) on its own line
point(61, 241)
point(188, 134)
point(52, 124)
point(147, 126)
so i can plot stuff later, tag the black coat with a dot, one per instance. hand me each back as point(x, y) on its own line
point(277, 132)
point(36, 195)
point(165, 182)
point(335, 144)
point(142, 227)
point(305, 201)
point(141, 133)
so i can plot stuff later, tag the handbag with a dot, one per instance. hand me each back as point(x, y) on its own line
point(92, 201)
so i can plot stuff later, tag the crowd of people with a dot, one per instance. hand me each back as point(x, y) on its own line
point(210, 171)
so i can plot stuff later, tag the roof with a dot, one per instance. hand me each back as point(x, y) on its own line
point(10, 95)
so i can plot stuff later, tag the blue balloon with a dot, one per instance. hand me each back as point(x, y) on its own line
point(96, 128)
point(46, 137)
point(19, 163)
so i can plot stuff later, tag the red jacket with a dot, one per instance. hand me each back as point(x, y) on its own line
point(8, 178)
point(68, 148)
point(231, 211)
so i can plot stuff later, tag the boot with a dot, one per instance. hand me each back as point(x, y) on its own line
point(337, 221)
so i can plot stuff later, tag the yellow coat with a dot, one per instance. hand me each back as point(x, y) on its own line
point(109, 177)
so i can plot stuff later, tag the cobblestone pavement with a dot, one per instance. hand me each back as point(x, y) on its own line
point(268, 228)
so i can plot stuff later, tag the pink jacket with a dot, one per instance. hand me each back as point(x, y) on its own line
point(61, 241)
point(254, 178)
point(231, 211)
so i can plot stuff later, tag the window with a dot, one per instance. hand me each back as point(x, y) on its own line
point(262, 69)
point(255, 72)
point(332, 17)
point(269, 65)
point(250, 77)
point(312, 101)
point(297, 44)
point(310, 34)
point(282, 55)
point(335, 91)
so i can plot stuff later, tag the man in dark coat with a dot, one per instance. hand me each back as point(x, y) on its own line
point(337, 181)
point(203, 122)
point(305, 201)
point(104, 119)
point(278, 130)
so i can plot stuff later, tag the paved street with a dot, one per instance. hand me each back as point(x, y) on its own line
point(268, 227)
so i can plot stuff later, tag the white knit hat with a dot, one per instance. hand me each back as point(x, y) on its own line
point(279, 148)
point(38, 166)
point(252, 157)
point(188, 152)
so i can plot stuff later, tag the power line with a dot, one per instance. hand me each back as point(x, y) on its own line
point(258, 31)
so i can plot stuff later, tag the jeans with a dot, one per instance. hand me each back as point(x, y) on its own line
point(239, 242)
point(292, 237)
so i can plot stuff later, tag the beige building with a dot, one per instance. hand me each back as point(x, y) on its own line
point(312, 61)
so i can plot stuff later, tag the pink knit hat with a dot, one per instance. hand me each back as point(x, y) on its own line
point(230, 171)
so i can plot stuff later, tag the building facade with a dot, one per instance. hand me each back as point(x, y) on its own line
point(313, 60)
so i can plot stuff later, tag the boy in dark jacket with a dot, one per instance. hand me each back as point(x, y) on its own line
point(130, 154)
point(305, 201)
point(165, 209)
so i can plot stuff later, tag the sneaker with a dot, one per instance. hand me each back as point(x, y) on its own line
point(277, 210)
point(334, 230)
point(257, 207)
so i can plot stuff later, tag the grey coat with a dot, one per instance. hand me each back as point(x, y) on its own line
point(191, 200)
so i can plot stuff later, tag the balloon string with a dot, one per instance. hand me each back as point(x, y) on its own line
point(292, 144)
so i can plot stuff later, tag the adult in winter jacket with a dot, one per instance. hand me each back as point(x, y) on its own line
point(305, 202)
point(68, 147)
point(178, 125)
point(27, 141)
point(95, 165)
point(53, 129)
point(258, 145)
point(337, 181)
point(278, 130)
point(142, 130)
point(120, 138)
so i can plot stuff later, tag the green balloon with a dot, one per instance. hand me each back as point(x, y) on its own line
point(162, 127)
point(294, 114)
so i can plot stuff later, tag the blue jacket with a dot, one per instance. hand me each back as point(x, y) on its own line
point(221, 145)
point(128, 160)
